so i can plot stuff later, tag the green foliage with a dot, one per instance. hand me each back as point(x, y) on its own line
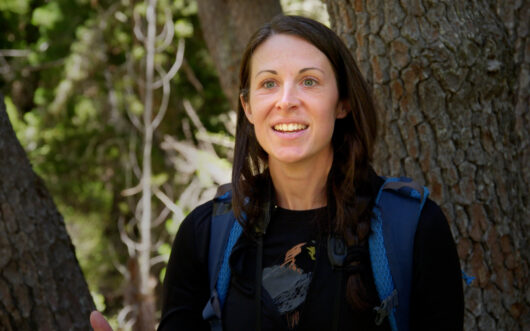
point(47, 16)
point(183, 28)
point(71, 97)
point(19, 7)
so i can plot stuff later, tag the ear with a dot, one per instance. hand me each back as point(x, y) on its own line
point(342, 110)
point(246, 108)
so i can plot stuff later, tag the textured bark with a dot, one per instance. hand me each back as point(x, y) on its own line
point(227, 26)
point(452, 80)
point(41, 284)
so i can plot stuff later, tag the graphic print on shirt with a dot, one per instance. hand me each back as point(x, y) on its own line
point(288, 282)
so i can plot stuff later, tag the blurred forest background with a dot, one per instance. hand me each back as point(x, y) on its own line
point(125, 110)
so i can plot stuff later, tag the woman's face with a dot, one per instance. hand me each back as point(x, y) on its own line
point(293, 101)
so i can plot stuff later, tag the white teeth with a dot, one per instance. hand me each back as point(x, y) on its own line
point(289, 127)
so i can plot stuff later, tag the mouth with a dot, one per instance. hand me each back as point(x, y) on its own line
point(290, 127)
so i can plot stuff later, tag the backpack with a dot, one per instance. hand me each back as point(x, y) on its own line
point(396, 212)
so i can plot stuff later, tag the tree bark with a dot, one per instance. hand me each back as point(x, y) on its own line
point(41, 284)
point(452, 82)
point(227, 26)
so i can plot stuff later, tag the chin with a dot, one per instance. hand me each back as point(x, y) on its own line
point(287, 159)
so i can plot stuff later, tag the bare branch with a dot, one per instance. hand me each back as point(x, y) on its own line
point(157, 245)
point(113, 100)
point(161, 217)
point(132, 190)
point(167, 33)
point(158, 259)
point(132, 157)
point(165, 100)
point(190, 75)
point(5, 69)
point(137, 212)
point(134, 120)
point(15, 52)
point(168, 203)
point(137, 27)
point(131, 244)
point(120, 267)
point(128, 90)
point(190, 195)
point(124, 322)
point(215, 139)
point(186, 129)
point(192, 114)
point(175, 67)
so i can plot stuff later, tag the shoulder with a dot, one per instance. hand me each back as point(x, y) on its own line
point(433, 240)
point(432, 221)
point(199, 216)
point(195, 228)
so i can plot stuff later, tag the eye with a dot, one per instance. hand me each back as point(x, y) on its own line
point(309, 82)
point(269, 84)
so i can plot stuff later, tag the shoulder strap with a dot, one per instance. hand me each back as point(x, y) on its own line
point(224, 232)
point(396, 213)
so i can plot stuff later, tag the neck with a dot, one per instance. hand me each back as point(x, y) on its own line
point(300, 186)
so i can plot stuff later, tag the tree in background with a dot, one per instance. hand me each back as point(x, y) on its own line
point(452, 81)
point(41, 284)
point(227, 25)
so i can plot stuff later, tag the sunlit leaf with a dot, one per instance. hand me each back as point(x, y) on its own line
point(183, 28)
point(47, 15)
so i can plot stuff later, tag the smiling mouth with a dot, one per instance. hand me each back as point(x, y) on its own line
point(290, 127)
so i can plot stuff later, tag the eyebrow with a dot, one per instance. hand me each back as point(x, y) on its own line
point(274, 72)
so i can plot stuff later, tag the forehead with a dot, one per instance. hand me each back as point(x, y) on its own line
point(283, 50)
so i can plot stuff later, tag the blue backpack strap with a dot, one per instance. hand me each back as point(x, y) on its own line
point(396, 213)
point(224, 232)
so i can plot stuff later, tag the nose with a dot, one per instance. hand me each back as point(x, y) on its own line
point(288, 98)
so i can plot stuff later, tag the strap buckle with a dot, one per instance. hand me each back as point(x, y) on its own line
point(212, 310)
point(386, 307)
point(337, 251)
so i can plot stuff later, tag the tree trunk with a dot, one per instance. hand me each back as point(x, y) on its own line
point(41, 284)
point(227, 26)
point(452, 80)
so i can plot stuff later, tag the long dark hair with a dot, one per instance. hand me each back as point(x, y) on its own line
point(353, 139)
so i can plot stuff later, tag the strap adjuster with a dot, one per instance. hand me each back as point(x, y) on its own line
point(386, 307)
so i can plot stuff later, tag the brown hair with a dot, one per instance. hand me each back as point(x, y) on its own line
point(352, 140)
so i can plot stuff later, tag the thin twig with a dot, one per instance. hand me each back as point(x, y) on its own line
point(120, 267)
point(167, 201)
point(192, 114)
point(133, 159)
point(165, 100)
point(175, 67)
point(128, 90)
point(122, 317)
point(157, 259)
point(188, 71)
point(15, 52)
point(137, 27)
point(132, 190)
point(131, 244)
point(167, 33)
point(161, 217)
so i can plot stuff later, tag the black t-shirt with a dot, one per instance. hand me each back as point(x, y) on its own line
point(436, 298)
point(289, 250)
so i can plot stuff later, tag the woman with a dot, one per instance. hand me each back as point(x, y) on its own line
point(305, 135)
